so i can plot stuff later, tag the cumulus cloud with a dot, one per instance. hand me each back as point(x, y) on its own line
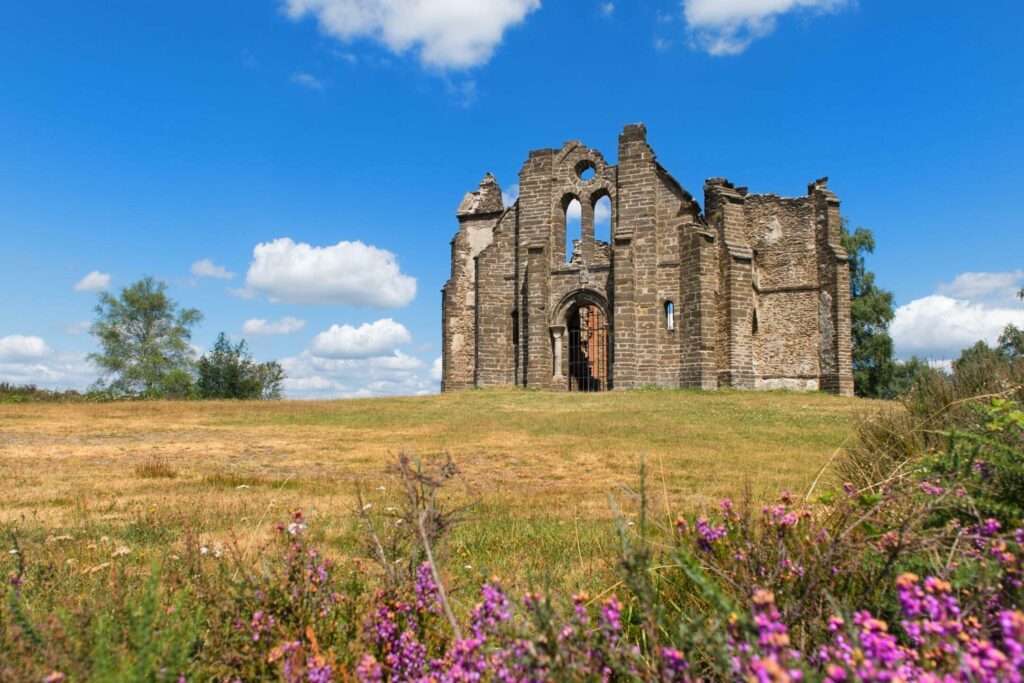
point(18, 348)
point(260, 326)
point(93, 282)
point(348, 273)
point(50, 371)
point(973, 307)
point(442, 33)
point(29, 360)
point(369, 339)
point(728, 27)
point(397, 374)
point(1001, 287)
point(206, 268)
point(436, 370)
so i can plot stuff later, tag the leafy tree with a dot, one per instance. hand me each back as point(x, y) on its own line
point(270, 376)
point(144, 338)
point(980, 353)
point(872, 310)
point(908, 374)
point(1011, 342)
point(228, 371)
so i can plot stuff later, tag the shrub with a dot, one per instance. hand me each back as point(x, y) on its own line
point(228, 371)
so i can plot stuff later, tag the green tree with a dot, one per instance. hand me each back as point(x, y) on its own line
point(1011, 342)
point(228, 371)
point(981, 354)
point(144, 338)
point(908, 374)
point(271, 377)
point(871, 309)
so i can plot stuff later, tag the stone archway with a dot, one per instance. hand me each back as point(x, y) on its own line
point(581, 335)
point(587, 335)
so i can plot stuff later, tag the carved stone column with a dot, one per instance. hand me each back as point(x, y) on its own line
point(557, 332)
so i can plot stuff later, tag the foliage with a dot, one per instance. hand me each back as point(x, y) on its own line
point(30, 393)
point(871, 310)
point(939, 403)
point(1011, 342)
point(228, 371)
point(146, 635)
point(987, 465)
point(907, 375)
point(980, 355)
point(144, 340)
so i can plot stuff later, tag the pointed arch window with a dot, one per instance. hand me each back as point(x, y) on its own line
point(670, 316)
point(573, 228)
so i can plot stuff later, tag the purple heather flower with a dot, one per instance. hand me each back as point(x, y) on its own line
point(708, 534)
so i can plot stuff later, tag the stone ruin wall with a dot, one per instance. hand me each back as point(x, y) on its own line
point(745, 257)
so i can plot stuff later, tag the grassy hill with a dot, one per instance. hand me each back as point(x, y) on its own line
point(539, 468)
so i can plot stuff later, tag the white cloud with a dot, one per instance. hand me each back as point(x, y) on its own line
point(368, 340)
point(939, 326)
point(728, 27)
point(206, 268)
point(348, 273)
point(259, 326)
point(307, 81)
point(53, 371)
point(436, 369)
point(992, 287)
point(442, 33)
point(81, 327)
point(398, 374)
point(18, 348)
point(607, 9)
point(93, 282)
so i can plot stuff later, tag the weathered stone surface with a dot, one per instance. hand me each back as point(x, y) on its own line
point(757, 285)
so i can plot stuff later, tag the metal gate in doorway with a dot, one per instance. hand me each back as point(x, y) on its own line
point(588, 349)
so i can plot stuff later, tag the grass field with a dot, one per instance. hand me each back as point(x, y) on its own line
point(80, 479)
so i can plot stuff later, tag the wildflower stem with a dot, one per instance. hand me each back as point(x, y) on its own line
point(441, 592)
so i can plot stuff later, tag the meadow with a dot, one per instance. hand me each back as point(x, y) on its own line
point(541, 471)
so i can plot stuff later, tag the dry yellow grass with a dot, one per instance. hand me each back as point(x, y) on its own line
point(541, 466)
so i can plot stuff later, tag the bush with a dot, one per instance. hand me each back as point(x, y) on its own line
point(227, 371)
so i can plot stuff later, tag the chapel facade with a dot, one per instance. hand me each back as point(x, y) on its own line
point(753, 292)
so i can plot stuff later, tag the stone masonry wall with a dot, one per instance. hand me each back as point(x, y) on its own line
point(781, 233)
point(758, 284)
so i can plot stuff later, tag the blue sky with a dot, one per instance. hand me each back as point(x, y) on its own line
point(146, 137)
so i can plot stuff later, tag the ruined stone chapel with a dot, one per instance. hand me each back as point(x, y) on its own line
point(752, 293)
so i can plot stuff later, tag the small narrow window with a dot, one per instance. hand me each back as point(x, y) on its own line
point(515, 328)
point(670, 316)
point(756, 323)
point(603, 220)
point(573, 228)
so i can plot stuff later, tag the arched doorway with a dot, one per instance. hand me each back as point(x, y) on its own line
point(587, 329)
